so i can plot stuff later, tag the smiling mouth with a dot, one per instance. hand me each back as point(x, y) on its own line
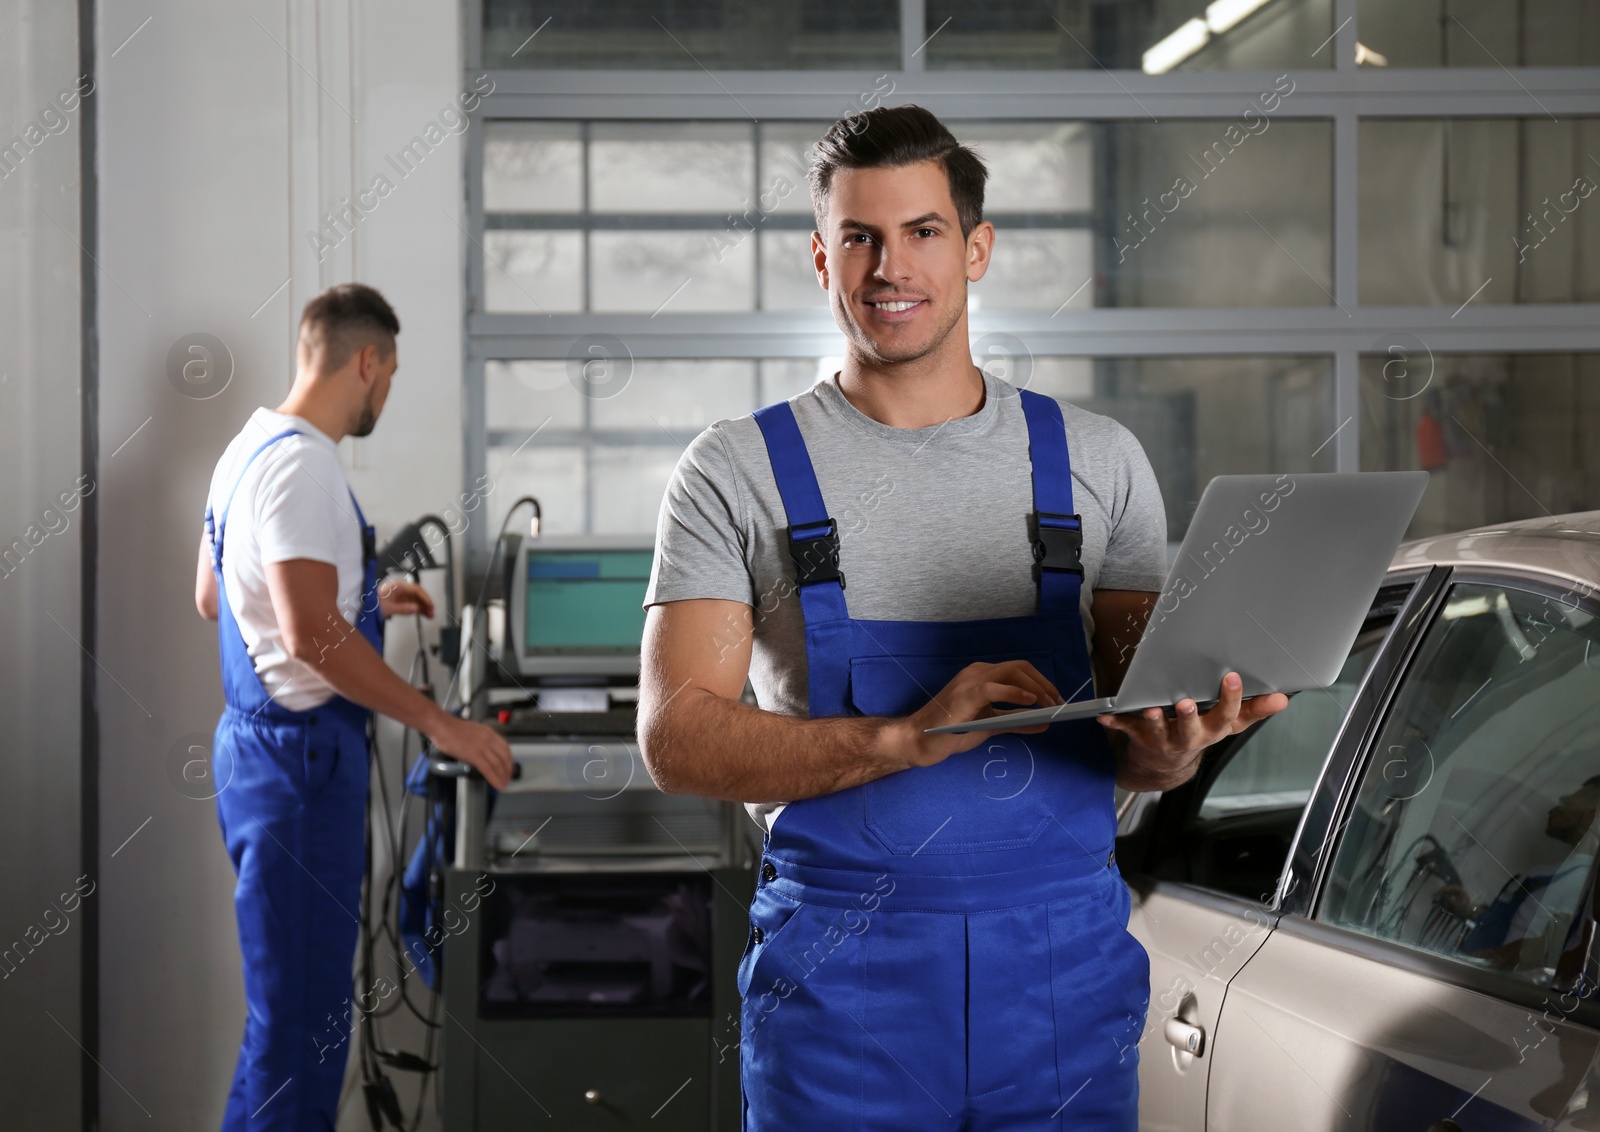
point(896, 305)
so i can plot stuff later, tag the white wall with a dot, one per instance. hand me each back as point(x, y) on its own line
point(226, 132)
point(39, 591)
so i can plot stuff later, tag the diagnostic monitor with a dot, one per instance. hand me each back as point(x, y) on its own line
point(577, 606)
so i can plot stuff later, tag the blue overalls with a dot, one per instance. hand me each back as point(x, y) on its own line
point(944, 947)
point(292, 814)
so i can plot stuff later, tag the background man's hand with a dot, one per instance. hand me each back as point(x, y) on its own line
point(972, 695)
point(1166, 751)
point(475, 744)
point(400, 597)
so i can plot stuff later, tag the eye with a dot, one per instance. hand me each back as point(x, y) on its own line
point(934, 231)
point(855, 236)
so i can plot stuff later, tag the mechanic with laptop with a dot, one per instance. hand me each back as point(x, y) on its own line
point(939, 931)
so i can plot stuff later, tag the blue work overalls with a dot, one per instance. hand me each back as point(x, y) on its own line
point(944, 947)
point(292, 812)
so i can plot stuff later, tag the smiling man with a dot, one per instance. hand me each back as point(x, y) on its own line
point(938, 938)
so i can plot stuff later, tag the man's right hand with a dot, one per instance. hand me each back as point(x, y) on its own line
point(970, 696)
point(477, 745)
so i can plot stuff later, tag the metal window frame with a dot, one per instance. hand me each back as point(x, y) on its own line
point(1343, 94)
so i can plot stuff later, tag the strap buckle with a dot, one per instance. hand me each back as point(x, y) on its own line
point(1060, 542)
point(816, 556)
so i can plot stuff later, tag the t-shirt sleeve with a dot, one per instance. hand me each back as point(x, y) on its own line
point(1136, 551)
point(701, 532)
point(298, 512)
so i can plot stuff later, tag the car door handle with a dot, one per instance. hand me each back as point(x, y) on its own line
point(1189, 1038)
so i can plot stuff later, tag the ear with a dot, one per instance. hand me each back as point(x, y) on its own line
point(370, 361)
point(819, 259)
point(980, 247)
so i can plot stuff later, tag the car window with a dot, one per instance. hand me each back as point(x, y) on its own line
point(1473, 832)
point(1241, 822)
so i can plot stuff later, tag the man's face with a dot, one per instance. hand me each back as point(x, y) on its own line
point(1572, 815)
point(893, 237)
point(381, 370)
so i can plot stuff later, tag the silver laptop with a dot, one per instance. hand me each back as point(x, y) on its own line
point(1273, 581)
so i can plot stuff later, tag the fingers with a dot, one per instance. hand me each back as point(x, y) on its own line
point(1024, 675)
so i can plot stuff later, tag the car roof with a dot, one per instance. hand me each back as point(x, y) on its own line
point(1564, 545)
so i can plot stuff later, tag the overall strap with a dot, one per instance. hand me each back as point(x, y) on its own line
point(216, 526)
point(813, 534)
point(1058, 533)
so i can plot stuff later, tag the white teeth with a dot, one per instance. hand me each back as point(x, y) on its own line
point(894, 306)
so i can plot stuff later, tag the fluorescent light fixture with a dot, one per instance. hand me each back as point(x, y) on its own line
point(1365, 54)
point(1223, 14)
point(1189, 38)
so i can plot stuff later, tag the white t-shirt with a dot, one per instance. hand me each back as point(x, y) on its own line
point(292, 502)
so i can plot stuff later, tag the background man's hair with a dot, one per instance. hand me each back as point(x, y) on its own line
point(346, 318)
point(894, 136)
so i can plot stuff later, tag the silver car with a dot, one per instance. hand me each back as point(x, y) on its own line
point(1377, 909)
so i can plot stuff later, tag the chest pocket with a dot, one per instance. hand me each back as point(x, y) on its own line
point(998, 795)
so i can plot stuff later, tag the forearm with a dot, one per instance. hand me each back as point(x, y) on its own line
point(706, 744)
point(353, 669)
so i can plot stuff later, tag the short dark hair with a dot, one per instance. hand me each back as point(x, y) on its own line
point(348, 317)
point(893, 136)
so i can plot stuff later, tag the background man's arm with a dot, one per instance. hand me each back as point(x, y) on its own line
point(205, 582)
point(305, 601)
point(697, 737)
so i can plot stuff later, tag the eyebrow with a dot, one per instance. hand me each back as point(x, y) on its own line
point(918, 222)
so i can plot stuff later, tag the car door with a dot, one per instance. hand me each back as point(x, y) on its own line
point(1439, 975)
point(1204, 863)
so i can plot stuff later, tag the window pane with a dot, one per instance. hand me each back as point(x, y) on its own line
point(1481, 33)
point(1047, 34)
point(672, 271)
point(532, 271)
point(1218, 213)
point(785, 155)
point(676, 396)
point(692, 34)
point(788, 276)
point(1486, 210)
point(1503, 436)
point(782, 378)
point(1033, 269)
point(628, 486)
point(532, 167)
point(1203, 417)
point(671, 166)
point(1473, 833)
point(553, 475)
point(1034, 167)
point(527, 395)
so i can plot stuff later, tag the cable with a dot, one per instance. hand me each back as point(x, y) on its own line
point(480, 604)
point(408, 553)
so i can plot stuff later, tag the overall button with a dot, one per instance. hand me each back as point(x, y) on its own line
point(769, 871)
point(756, 934)
point(1112, 859)
point(312, 719)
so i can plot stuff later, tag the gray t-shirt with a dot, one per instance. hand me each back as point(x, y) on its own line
point(933, 523)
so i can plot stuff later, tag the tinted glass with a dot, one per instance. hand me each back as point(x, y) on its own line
point(1473, 833)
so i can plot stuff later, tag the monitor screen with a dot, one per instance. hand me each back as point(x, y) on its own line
point(584, 601)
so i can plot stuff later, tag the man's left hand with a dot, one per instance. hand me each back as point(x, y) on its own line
point(404, 597)
point(1163, 753)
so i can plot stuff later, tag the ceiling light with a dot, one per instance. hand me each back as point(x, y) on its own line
point(1189, 38)
point(1365, 54)
point(1223, 14)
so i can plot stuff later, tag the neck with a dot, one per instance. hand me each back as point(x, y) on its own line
point(310, 402)
point(937, 387)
